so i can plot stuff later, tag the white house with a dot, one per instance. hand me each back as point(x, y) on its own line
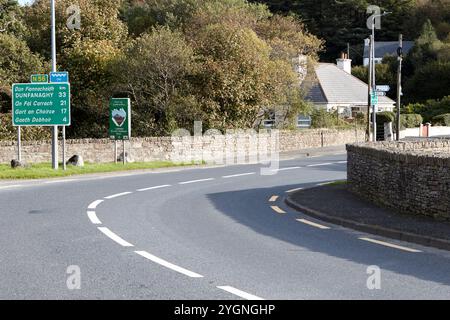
point(335, 88)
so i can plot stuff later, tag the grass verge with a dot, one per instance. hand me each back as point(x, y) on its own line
point(44, 170)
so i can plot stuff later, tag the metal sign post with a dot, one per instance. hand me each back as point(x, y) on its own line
point(19, 145)
point(120, 122)
point(55, 128)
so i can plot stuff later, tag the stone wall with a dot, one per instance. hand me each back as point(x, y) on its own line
point(184, 148)
point(411, 177)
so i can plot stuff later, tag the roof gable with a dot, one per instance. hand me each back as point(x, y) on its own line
point(335, 86)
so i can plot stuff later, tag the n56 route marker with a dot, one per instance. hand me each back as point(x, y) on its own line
point(41, 104)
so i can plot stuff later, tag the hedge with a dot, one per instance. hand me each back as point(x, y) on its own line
point(406, 120)
point(410, 120)
point(442, 120)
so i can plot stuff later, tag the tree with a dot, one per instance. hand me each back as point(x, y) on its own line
point(424, 85)
point(155, 72)
point(17, 64)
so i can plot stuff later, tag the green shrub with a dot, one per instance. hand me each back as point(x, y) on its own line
point(385, 117)
point(321, 118)
point(410, 120)
point(9, 132)
point(442, 120)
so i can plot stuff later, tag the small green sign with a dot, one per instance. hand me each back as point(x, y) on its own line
point(374, 99)
point(120, 119)
point(39, 78)
point(43, 104)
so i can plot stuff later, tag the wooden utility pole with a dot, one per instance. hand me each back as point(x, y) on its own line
point(399, 83)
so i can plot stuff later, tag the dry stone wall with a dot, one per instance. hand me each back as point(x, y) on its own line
point(412, 177)
point(185, 147)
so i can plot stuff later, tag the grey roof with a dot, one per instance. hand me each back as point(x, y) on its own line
point(335, 86)
point(383, 48)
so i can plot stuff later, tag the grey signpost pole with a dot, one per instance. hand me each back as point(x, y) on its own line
point(19, 145)
point(115, 151)
point(123, 147)
point(369, 102)
point(55, 163)
point(399, 83)
point(374, 106)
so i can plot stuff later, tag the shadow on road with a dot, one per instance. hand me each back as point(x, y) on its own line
point(252, 209)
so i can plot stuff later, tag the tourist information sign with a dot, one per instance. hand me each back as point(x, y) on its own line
point(41, 104)
point(59, 77)
point(120, 119)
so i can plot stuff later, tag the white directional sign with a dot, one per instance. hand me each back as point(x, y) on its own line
point(384, 88)
point(381, 93)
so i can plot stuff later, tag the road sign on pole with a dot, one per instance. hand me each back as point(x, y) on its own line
point(120, 119)
point(384, 88)
point(43, 104)
point(380, 93)
point(59, 77)
point(39, 78)
point(374, 99)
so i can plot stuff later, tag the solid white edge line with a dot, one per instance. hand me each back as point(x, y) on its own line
point(324, 183)
point(313, 224)
point(195, 181)
point(239, 175)
point(94, 204)
point(168, 265)
point(239, 293)
point(115, 237)
point(288, 168)
point(11, 186)
point(293, 190)
point(118, 195)
point(61, 181)
point(93, 217)
point(319, 164)
point(154, 188)
point(390, 245)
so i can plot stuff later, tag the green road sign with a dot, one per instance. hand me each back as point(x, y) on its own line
point(39, 78)
point(41, 104)
point(120, 119)
point(374, 99)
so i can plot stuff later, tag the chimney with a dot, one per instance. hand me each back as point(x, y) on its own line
point(344, 63)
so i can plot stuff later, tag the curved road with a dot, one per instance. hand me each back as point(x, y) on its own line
point(203, 233)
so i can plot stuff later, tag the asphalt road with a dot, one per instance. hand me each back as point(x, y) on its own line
point(204, 233)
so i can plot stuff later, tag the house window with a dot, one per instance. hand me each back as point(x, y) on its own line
point(303, 121)
point(270, 121)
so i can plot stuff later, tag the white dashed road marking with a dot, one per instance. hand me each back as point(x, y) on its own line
point(239, 175)
point(94, 204)
point(278, 209)
point(273, 199)
point(115, 237)
point(196, 181)
point(239, 293)
point(313, 224)
point(320, 164)
point(153, 188)
point(93, 217)
point(118, 195)
point(390, 245)
point(169, 265)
